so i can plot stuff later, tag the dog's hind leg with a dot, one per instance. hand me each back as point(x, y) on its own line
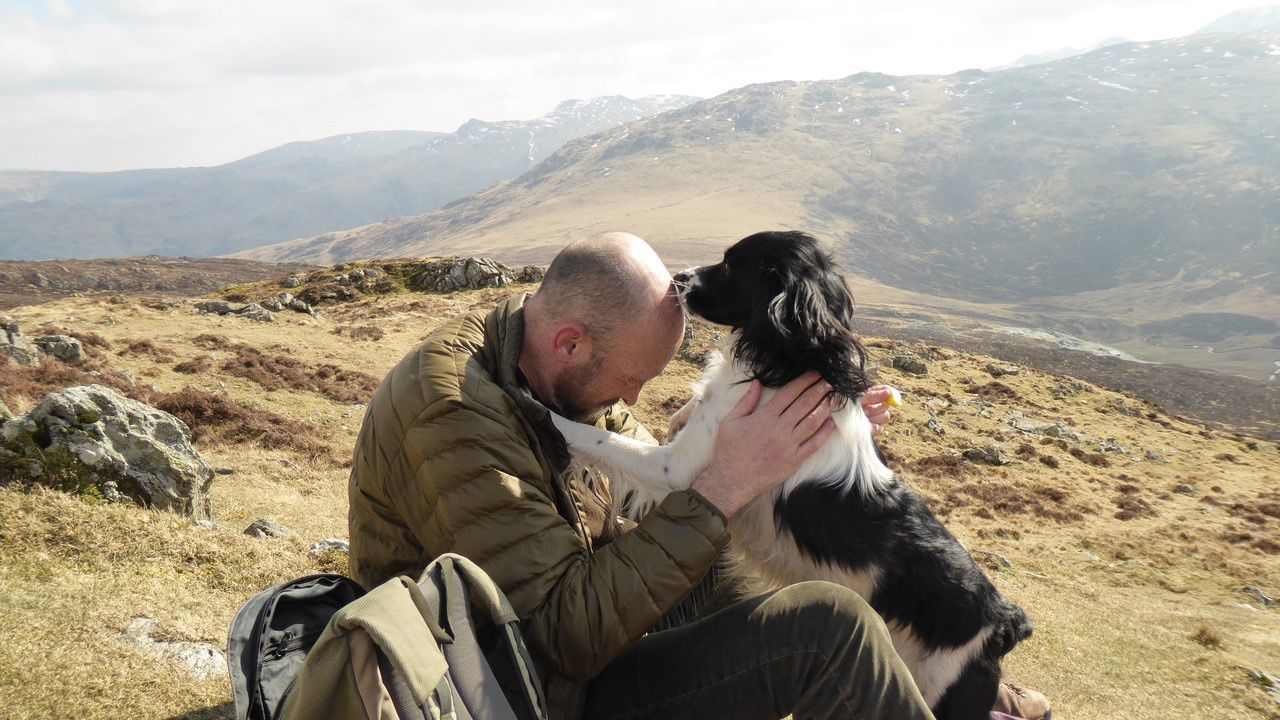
point(973, 694)
point(632, 465)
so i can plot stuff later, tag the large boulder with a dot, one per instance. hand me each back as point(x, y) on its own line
point(63, 347)
point(93, 440)
point(16, 346)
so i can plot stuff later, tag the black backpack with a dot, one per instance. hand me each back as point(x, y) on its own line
point(272, 634)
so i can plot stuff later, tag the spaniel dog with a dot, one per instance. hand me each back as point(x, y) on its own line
point(843, 516)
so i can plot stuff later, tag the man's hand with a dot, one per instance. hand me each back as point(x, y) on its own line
point(758, 448)
point(878, 412)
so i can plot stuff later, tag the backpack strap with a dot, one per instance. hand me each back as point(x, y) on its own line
point(457, 575)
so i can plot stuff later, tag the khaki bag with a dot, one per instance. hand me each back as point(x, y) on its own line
point(409, 651)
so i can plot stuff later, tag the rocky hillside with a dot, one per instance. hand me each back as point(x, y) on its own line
point(1083, 502)
point(32, 283)
point(297, 189)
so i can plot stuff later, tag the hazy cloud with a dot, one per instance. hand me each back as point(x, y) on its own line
point(145, 83)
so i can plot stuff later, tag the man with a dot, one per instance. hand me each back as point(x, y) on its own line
point(457, 454)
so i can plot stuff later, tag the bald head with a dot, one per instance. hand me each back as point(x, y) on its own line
point(604, 282)
point(576, 356)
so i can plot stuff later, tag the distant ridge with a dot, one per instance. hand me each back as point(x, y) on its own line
point(1251, 20)
point(295, 189)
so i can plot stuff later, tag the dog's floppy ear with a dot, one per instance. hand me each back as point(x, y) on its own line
point(808, 328)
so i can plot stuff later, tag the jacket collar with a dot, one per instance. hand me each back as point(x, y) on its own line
point(504, 338)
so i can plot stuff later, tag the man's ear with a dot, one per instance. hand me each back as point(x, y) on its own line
point(570, 341)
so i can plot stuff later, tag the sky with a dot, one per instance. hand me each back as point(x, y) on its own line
point(119, 84)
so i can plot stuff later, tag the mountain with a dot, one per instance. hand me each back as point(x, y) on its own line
point(1135, 163)
point(297, 189)
point(1265, 19)
point(1117, 196)
point(1060, 53)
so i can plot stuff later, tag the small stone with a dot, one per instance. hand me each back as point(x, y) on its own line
point(217, 307)
point(264, 529)
point(1154, 456)
point(530, 274)
point(1001, 370)
point(1184, 489)
point(111, 492)
point(990, 455)
point(202, 659)
point(1268, 681)
point(205, 524)
point(1263, 599)
point(273, 305)
point(254, 311)
point(1124, 408)
point(910, 364)
point(933, 424)
point(330, 545)
point(1111, 446)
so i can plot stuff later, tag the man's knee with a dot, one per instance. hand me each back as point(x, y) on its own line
point(825, 612)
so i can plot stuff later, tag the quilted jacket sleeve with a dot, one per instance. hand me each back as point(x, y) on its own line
point(478, 483)
point(620, 420)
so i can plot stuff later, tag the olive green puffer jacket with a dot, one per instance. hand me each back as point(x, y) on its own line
point(454, 456)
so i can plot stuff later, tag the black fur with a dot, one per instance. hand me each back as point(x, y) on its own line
point(782, 290)
point(794, 312)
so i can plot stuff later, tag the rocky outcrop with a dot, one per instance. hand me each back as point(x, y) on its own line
point(452, 274)
point(16, 346)
point(251, 311)
point(94, 441)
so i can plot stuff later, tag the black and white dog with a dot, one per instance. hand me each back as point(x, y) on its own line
point(843, 516)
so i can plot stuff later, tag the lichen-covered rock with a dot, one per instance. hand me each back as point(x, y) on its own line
point(63, 347)
point(452, 274)
point(16, 346)
point(94, 441)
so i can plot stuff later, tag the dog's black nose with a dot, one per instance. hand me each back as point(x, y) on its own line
point(683, 276)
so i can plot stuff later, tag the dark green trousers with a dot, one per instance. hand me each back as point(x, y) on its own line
point(814, 650)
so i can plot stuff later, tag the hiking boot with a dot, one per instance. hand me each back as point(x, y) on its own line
point(1021, 703)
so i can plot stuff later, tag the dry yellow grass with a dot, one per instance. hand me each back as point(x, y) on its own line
point(1117, 603)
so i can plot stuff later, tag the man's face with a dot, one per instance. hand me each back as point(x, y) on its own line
point(618, 370)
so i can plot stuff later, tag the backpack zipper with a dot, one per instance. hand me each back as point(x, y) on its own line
point(287, 644)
